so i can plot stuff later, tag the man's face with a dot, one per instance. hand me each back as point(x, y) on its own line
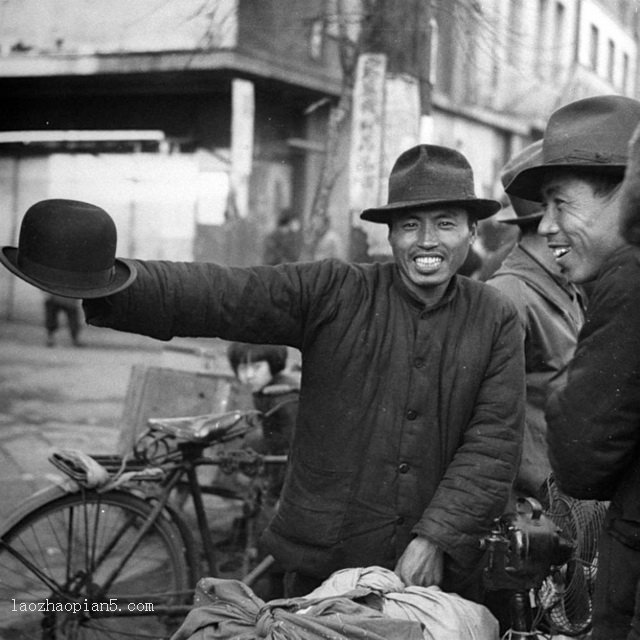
point(581, 228)
point(429, 246)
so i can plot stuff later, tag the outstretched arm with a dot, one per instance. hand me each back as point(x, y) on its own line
point(255, 304)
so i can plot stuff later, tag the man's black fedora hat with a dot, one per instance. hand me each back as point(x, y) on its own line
point(430, 176)
point(526, 211)
point(68, 248)
point(591, 133)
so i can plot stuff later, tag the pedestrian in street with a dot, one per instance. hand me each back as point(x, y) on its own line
point(593, 420)
point(330, 243)
point(54, 306)
point(551, 312)
point(412, 391)
point(284, 242)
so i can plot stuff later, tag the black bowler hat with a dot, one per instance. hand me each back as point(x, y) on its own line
point(526, 211)
point(429, 176)
point(68, 248)
point(592, 134)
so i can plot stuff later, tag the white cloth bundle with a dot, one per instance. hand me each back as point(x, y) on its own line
point(445, 616)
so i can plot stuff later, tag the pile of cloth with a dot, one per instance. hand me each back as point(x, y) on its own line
point(361, 603)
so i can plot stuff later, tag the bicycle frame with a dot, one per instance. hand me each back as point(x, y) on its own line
point(191, 461)
point(179, 458)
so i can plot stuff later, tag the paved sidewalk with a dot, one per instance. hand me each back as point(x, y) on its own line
point(67, 397)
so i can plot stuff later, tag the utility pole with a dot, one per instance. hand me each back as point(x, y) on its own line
point(399, 30)
point(402, 31)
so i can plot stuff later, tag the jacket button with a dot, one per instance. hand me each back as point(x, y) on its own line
point(403, 467)
point(418, 363)
point(400, 520)
point(411, 414)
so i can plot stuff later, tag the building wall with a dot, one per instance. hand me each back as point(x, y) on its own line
point(526, 58)
point(294, 33)
point(483, 145)
point(511, 62)
point(533, 55)
point(604, 45)
point(85, 26)
point(153, 199)
point(22, 182)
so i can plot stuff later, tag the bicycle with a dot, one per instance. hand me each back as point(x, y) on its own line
point(119, 560)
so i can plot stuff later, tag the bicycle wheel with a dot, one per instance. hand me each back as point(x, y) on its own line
point(87, 570)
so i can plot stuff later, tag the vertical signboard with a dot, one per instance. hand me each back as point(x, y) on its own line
point(242, 119)
point(400, 132)
point(366, 137)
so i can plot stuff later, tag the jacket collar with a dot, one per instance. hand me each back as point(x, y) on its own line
point(526, 259)
point(408, 295)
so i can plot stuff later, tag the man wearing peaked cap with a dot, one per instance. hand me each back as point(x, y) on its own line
point(593, 421)
point(551, 312)
point(411, 407)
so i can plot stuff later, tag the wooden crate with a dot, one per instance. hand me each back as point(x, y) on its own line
point(160, 392)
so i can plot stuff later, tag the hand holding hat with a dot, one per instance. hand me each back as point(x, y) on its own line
point(67, 247)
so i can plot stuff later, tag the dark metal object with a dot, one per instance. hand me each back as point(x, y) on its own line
point(522, 550)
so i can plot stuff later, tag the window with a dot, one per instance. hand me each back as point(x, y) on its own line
point(541, 45)
point(559, 36)
point(625, 72)
point(514, 34)
point(624, 11)
point(593, 47)
point(316, 39)
point(611, 60)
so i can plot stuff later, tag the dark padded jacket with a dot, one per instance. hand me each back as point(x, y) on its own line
point(594, 420)
point(410, 419)
point(551, 313)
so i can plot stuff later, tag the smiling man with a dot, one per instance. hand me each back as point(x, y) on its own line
point(409, 425)
point(432, 216)
point(593, 421)
point(579, 210)
point(429, 247)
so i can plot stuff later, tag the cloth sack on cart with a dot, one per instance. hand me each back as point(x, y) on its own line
point(366, 603)
point(445, 616)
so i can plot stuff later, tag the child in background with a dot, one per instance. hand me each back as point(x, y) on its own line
point(262, 368)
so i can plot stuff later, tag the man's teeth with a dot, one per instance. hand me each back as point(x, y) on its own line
point(558, 252)
point(431, 261)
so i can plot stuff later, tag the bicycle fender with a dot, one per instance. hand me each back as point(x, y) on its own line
point(39, 499)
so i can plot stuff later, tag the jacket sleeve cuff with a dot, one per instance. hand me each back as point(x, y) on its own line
point(466, 550)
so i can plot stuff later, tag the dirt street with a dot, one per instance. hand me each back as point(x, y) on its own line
point(65, 396)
